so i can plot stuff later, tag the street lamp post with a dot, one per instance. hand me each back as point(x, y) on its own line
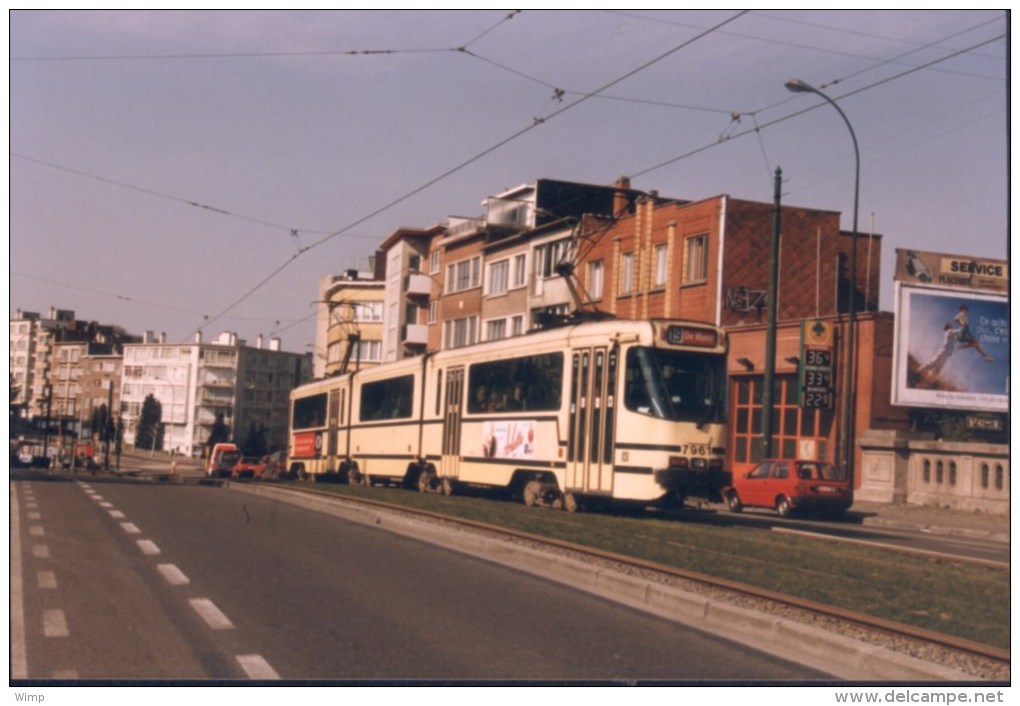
point(798, 86)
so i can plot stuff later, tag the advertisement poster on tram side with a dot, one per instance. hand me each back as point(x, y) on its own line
point(509, 439)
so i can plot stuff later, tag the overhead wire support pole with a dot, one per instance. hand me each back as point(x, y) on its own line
point(768, 395)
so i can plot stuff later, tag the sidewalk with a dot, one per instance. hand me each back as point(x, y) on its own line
point(935, 520)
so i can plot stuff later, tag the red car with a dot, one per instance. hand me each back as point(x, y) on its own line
point(789, 485)
point(248, 467)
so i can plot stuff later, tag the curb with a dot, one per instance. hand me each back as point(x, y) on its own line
point(842, 657)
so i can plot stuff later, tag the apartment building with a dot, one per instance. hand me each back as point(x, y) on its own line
point(349, 331)
point(196, 384)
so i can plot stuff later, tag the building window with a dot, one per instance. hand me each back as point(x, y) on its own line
point(460, 332)
point(369, 351)
point(550, 255)
point(466, 274)
point(627, 273)
point(359, 311)
point(517, 325)
point(596, 273)
point(499, 277)
point(495, 329)
point(660, 266)
point(792, 425)
point(433, 312)
point(434, 262)
point(696, 263)
point(520, 277)
point(984, 475)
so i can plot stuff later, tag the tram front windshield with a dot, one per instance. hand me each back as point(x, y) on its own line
point(676, 385)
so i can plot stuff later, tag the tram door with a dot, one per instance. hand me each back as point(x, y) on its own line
point(592, 419)
point(452, 400)
point(331, 441)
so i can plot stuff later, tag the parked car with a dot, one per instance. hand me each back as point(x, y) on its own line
point(275, 466)
point(788, 485)
point(248, 467)
point(222, 460)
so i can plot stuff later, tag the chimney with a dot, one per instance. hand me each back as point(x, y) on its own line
point(162, 337)
point(198, 336)
point(258, 341)
point(274, 344)
point(620, 199)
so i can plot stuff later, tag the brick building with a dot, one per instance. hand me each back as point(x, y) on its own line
point(708, 260)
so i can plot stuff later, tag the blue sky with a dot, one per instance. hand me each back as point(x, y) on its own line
point(173, 171)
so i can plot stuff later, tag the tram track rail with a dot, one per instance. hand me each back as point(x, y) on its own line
point(984, 661)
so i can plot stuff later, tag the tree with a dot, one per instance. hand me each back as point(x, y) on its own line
point(255, 442)
point(150, 429)
point(219, 433)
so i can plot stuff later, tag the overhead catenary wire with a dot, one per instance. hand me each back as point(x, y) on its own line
point(297, 243)
point(471, 160)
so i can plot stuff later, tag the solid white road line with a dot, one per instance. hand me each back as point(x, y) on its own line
point(212, 615)
point(256, 667)
point(173, 575)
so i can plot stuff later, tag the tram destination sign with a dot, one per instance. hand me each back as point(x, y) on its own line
point(816, 369)
point(691, 336)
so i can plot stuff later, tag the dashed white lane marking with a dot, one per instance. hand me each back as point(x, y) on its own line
point(130, 527)
point(256, 667)
point(46, 579)
point(31, 505)
point(41, 551)
point(34, 515)
point(173, 575)
point(54, 623)
point(37, 531)
point(106, 505)
point(148, 547)
point(98, 498)
point(117, 514)
point(212, 615)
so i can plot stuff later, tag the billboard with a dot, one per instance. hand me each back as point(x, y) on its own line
point(952, 348)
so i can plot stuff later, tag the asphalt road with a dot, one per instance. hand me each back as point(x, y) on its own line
point(126, 580)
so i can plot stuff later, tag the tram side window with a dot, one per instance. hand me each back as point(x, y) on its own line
point(310, 412)
point(387, 399)
point(529, 384)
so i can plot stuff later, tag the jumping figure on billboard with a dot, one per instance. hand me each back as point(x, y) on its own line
point(968, 339)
